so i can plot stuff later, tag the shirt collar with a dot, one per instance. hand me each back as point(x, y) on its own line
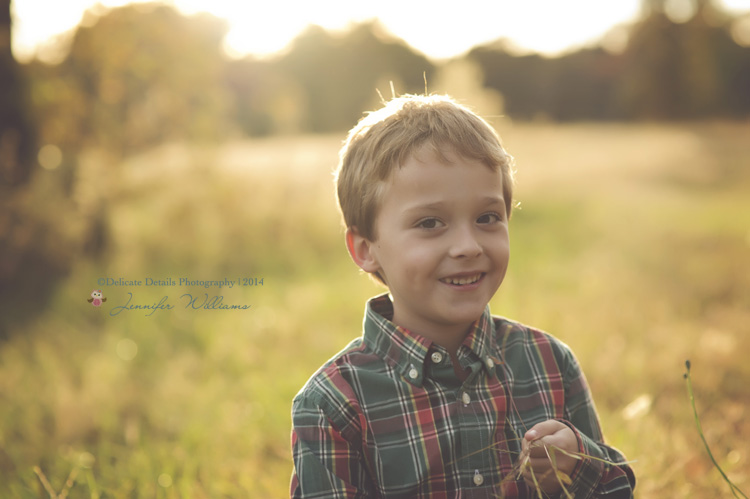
point(481, 342)
point(406, 351)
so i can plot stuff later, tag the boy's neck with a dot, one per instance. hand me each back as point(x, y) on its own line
point(448, 337)
point(452, 342)
point(461, 373)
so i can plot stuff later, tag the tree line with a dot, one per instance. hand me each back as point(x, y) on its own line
point(135, 77)
point(668, 70)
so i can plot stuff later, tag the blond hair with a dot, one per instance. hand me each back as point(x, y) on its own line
point(384, 139)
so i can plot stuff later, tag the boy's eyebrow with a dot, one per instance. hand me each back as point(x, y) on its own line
point(424, 206)
point(494, 199)
point(485, 201)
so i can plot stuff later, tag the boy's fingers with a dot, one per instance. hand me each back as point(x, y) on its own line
point(538, 452)
point(540, 464)
point(542, 445)
point(531, 435)
point(539, 430)
point(548, 433)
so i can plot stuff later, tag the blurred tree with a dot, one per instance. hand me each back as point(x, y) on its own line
point(576, 86)
point(689, 68)
point(670, 71)
point(652, 80)
point(135, 77)
point(525, 82)
point(463, 79)
point(263, 99)
point(17, 142)
point(585, 86)
point(734, 66)
point(339, 74)
point(29, 249)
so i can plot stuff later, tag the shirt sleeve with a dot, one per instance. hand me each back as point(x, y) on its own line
point(327, 464)
point(604, 473)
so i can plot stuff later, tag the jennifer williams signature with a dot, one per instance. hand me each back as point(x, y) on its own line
point(191, 303)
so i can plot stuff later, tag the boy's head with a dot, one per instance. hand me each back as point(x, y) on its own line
point(385, 139)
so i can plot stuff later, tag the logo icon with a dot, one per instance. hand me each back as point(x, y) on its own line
point(96, 298)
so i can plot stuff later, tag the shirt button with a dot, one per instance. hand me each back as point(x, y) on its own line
point(478, 478)
point(413, 373)
point(466, 398)
point(490, 363)
point(437, 357)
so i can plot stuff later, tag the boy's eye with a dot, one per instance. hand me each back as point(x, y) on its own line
point(429, 223)
point(489, 218)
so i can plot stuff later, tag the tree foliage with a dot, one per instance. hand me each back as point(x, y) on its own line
point(340, 73)
point(669, 70)
point(16, 133)
point(323, 82)
point(139, 76)
point(142, 74)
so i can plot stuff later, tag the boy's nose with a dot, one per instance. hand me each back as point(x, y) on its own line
point(465, 244)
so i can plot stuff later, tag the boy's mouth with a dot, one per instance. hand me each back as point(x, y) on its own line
point(462, 280)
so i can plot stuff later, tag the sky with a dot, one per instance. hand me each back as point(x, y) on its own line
point(439, 30)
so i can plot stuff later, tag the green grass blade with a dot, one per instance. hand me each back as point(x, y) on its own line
point(732, 486)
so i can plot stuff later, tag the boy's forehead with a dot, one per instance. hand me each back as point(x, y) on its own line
point(428, 154)
point(423, 169)
point(421, 186)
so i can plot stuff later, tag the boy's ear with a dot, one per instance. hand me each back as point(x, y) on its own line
point(360, 249)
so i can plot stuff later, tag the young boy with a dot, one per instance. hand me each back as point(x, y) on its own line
point(438, 398)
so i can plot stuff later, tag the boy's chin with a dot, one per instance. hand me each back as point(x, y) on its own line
point(466, 314)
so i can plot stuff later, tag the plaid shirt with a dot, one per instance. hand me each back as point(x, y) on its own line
point(388, 417)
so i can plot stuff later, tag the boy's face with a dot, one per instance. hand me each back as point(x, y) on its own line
point(442, 243)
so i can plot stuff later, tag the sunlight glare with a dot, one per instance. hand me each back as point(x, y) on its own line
point(546, 26)
point(268, 29)
point(38, 23)
point(737, 5)
point(550, 27)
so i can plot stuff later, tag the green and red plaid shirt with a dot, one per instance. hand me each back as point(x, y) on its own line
point(388, 417)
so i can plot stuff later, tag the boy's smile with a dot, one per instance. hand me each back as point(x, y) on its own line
point(441, 244)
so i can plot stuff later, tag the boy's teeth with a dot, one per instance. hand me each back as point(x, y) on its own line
point(460, 281)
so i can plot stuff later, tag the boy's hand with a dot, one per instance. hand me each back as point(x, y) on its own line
point(537, 446)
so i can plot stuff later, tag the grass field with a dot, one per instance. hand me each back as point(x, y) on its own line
point(631, 244)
